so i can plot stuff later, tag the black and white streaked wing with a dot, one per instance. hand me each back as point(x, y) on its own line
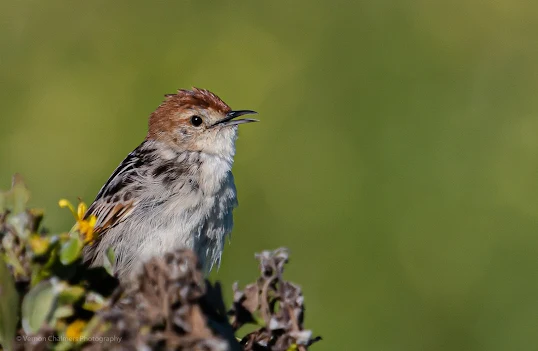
point(116, 200)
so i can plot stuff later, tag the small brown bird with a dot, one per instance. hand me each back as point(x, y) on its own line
point(174, 190)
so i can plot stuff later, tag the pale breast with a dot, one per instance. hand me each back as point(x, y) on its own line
point(190, 207)
point(179, 200)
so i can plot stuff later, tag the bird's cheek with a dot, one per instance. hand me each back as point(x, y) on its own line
point(183, 133)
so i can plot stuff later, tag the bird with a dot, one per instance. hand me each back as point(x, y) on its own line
point(175, 190)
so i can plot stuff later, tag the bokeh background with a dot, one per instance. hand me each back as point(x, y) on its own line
point(396, 158)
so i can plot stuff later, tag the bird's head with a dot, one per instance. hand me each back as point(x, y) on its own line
point(197, 120)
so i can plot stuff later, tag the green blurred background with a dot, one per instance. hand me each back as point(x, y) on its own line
point(396, 158)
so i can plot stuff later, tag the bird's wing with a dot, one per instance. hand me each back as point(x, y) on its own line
point(116, 200)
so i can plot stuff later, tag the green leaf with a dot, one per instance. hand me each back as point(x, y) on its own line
point(71, 250)
point(109, 261)
point(21, 195)
point(37, 306)
point(9, 311)
point(12, 260)
point(70, 294)
point(64, 312)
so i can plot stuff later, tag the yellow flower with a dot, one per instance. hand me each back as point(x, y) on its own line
point(74, 330)
point(39, 244)
point(83, 226)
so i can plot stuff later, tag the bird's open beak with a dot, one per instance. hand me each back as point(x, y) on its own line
point(230, 121)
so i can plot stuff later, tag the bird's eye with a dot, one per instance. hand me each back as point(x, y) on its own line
point(196, 121)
